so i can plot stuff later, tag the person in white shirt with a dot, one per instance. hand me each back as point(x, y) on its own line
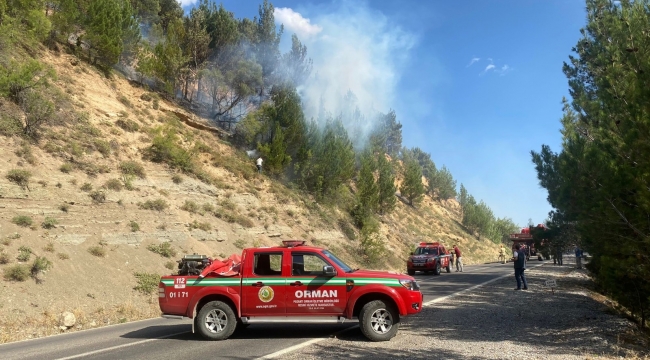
point(259, 164)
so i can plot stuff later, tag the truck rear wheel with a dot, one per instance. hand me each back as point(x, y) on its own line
point(448, 268)
point(378, 321)
point(216, 321)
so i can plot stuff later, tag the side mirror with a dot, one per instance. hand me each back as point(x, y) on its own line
point(329, 270)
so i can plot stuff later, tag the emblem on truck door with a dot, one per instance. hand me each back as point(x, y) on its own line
point(265, 294)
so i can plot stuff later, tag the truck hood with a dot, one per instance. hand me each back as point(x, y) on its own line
point(378, 274)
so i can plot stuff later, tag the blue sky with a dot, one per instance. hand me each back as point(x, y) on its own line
point(477, 84)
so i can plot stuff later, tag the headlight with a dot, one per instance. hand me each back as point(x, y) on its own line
point(430, 260)
point(410, 284)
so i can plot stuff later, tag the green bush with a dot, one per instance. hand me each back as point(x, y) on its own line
point(170, 265)
point(19, 177)
point(134, 226)
point(49, 247)
point(244, 221)
point(158, 205)
point(86, 187)
point(240, 244)
point(22, 220)
point(63, 256)
point(40, 264)
point(165, 149)
point(227, 204)
point(17, 272)
point(146, 97)
point(4, 258)
point(200, 225)
point(24, 253)
point(97, 250)
point(128, 125)
point(114, 184)
point(124, 100)
point(66, 168)
point(177, 179)
point(190, 206)
point(104, 147)
point(164, 249)
point(98, 196)
point(147, 282)
point(64, 207)
point(209, 208)
point(49, 223)
point(132, 168)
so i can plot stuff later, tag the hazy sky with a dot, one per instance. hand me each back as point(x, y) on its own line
point(477, 84)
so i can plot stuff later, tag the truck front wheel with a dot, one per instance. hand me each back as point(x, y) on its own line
point(438, 268)
point(378, 321)
point(216, 321)
point(410, 272)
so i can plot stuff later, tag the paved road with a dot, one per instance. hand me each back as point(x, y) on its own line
point(172, 339)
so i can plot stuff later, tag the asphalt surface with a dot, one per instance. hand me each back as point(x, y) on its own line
point(173, 339)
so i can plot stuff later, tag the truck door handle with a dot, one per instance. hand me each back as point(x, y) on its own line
point(258, 284)
point(296, 283)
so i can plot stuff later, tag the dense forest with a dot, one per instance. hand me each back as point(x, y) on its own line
point(598, 184)
point(230, 71)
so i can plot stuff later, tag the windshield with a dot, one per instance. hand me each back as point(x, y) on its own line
point(426, 251)
point(338, 261)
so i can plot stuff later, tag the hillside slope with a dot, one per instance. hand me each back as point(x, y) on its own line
point(96, 215)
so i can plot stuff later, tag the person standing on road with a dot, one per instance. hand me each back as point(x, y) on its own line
point(259, 164)
point(519, 258)
point(451, 257)
point(459, 259)
point(502, 254)
point(578, 258)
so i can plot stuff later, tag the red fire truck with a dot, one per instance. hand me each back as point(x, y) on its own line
point(525, 238)
point(292, 283)
point(428, 257)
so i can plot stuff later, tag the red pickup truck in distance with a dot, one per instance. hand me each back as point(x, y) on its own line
point(292, 283)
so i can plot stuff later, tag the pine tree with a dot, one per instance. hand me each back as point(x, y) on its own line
point(386, 185)
point(275, 152)
point(412, 188)
point(367, 197)
point(104, 30)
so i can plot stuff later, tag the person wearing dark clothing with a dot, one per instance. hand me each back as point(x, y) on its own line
point(519, 259)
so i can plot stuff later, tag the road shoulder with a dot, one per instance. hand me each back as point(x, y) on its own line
point(494, 321)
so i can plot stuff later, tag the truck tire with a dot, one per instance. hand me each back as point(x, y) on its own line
point(216, 321)
point(378, 321)
point(410, 272)
point(448, 268)
point(438, 268)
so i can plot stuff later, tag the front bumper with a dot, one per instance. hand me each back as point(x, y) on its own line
point(414, 302)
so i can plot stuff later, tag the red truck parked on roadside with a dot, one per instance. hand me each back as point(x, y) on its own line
point(428, 257)
point(292, 283)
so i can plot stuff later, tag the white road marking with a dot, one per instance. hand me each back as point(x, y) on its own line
point(302, 345)
point(120, 346)
point(314, 341)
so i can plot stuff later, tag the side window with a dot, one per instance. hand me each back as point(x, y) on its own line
point(268, 264)
point(307, 264)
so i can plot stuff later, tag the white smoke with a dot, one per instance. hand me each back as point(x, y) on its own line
point(357, 49)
